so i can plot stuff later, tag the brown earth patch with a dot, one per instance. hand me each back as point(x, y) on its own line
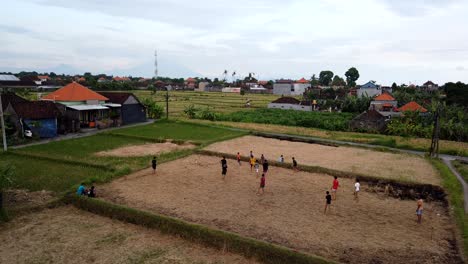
point(16, 199)
point(144, 150)
point(69, 235)
point(375, 229)
point(358, 160)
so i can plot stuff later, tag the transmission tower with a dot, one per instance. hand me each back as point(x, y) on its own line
point(155, 64)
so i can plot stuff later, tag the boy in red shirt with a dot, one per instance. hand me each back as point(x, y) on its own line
point(262, 185)
point(335, 187)
point(238, 158)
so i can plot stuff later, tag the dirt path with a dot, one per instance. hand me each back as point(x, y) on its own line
point(144, 149)
point(374, 230)
point(374, 163)
point(69, 235)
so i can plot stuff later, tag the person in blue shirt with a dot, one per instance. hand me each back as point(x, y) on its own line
point(81, 190)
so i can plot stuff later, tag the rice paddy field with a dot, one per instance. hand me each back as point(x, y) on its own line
point(217, 101)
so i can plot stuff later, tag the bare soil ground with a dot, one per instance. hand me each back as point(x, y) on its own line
point(373, 163)
point(69, 235)
point(375, 229)
point(16, 199)
point(144, 150)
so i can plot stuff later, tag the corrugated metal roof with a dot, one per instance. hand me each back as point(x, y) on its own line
point(112, 105)
point(87, 107)
point(8, 77)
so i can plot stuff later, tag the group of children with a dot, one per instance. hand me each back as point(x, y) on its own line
point(82, 191)
point(255, 165)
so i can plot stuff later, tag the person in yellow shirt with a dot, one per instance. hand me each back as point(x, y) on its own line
point(252, 162)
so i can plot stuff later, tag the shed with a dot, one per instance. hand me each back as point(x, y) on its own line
point(38, 116)
point(131, 110)
point(370, 120)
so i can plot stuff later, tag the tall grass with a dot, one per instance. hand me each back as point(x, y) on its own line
point(455, 190)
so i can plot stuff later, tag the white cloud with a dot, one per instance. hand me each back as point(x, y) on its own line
point(412, 40)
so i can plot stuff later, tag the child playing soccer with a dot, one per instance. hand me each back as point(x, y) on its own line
point(262, 186)
point(357, 188)
point(328, 199)
point(252, 162)
point(238, 158)
point(335, 187)
point(224, 167)
point(257, 167)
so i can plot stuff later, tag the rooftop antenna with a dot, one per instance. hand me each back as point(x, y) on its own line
point(155, 64)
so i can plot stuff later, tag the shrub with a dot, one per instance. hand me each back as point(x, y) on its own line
point(208, 114)
point(190, 111)
point(153, 110)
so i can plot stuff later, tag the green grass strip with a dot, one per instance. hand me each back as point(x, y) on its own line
point(222, 240)
point(65, 161)
point(454, 188)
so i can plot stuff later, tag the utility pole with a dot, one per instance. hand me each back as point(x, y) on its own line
point(2, 123)
point(167, 103)
point(434, 150)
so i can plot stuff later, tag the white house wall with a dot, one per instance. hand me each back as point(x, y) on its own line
point(290, 107)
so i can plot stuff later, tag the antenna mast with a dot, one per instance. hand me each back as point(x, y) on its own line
point(155, 64)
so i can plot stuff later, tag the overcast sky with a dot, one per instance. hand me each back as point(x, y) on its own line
point(406, 41)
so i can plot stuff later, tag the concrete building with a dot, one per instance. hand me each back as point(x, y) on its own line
point(290, 103)
point(369, 89)
point(289, 87)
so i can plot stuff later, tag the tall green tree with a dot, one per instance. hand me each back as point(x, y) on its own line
point(338, 81)
point(314, 81)
point(394, 86)
point(352, 75)
point(325, 77)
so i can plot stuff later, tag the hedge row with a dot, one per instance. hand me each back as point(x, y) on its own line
point(249, 247)
point(404, 190)
point(106, 167)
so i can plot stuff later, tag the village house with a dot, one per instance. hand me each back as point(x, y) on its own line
point(81, 105)
point(369, 89)
point(369, 121)
point(190, 83)
point(121, 79)
point(289, 87)
point(429, 86)
point(291, 103)
point(126, 108)
point(385, 104)
point(40, 117)
point(412, 107)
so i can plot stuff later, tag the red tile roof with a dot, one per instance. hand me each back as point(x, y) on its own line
point(43, 77)
point(117, 78)
point(190, 79)
point(384, 97)
point(412, 106)
point(302, 81)
point(74, 92)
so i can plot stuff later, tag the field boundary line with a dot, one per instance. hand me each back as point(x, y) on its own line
point(407, 190)
point(106, 167)
point(215, 238)
point(150, 139)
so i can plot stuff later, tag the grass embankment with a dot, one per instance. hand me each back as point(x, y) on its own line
point(462, 168)
point(455, 191)
point(216, 101)
point(421, 144)
point(249, 247)
point(59, 165)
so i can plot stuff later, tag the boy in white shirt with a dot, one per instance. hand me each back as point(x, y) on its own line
point(357, 188)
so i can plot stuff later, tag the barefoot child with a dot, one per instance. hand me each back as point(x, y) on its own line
point(335, 187)
point(224, 167)
point(328, 199)
point(238, 158)
point(419, 210)
point(252, 162)
point(257, 168)
point(265, 167)
point(295, 165)
point(153, 164)
point(357, 188)
point(262, 185)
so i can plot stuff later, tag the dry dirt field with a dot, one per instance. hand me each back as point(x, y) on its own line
point(358, 160)
point(69, 235)
point(144, 150)
point(375, 229)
